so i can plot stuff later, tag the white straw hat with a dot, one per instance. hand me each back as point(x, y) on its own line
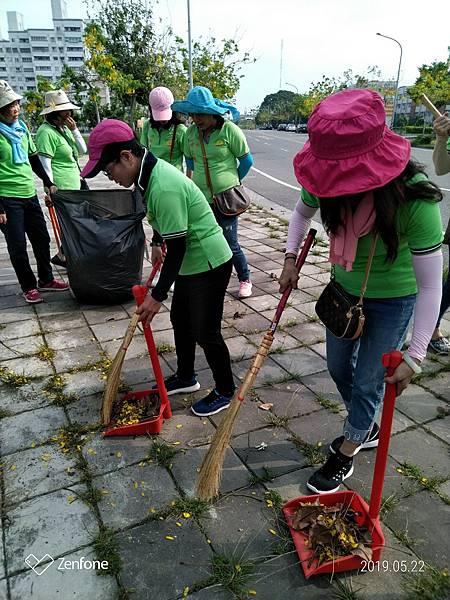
point(57, 100)
point(7, 94)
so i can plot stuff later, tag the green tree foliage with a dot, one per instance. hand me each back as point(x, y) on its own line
point(129, 53)
point(34, 100)
point(434, 81)
point(215, 65)
point(278, 108)
point(285, 106)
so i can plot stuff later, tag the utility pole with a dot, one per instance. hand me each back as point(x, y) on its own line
point(191, 80)
point(281, 63)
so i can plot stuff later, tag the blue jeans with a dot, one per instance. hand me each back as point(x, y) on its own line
point(355, 365)
point(230, 231)
point(445, 302)
point(26, 219)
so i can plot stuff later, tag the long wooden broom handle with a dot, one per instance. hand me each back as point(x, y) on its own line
point(298, 265)
point(267, 341)
point(431, 107)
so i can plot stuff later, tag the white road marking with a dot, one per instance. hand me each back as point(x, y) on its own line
point(293, 187)
point(284, 149)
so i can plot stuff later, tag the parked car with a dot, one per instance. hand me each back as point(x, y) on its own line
point(282, 127)
point(290, 127)
point(266, 126)
point(302, 128)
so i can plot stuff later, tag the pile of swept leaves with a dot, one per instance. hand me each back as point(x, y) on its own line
point(332, 531)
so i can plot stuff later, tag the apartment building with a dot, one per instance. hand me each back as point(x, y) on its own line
point(28, 53)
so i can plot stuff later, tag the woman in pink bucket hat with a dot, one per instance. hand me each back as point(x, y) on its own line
point(370, 193)
point(163, 132)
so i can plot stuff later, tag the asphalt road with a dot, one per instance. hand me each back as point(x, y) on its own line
point(272, 174)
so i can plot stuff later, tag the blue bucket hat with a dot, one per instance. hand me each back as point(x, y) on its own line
point(201, 101)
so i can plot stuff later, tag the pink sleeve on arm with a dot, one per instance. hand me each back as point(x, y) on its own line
point(428, 271)
point(299, 225)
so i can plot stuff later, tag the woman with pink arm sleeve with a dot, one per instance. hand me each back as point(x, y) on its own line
point(359, 174)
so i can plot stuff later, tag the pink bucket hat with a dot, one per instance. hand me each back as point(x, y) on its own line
point(350, 148)
point(107, 132)
point(160, 100)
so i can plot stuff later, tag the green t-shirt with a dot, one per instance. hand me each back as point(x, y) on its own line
point(176, 207)
point(223, 147)
point(16, 181)
point(60, 148)
point(419, 228)
point(159, 142)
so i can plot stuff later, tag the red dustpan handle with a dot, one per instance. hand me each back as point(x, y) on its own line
point(391, 361)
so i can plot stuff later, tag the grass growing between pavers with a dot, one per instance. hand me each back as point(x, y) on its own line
point(164, 348)
point(388, 504)
point(342, 589)
point(431, 584)
point(54, 390)
point(267, 475)
point(414, 472)
point(161, 453)
point(333, 407)
point(312, 452)
point(12, 379)
point(45, 353)
point(70, 440)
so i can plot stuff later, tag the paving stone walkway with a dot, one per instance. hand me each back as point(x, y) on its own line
point(70, 495)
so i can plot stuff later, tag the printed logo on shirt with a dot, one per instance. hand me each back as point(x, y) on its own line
point(219, 143)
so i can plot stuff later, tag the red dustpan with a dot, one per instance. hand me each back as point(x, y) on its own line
point(154, 424)
point(366, 516)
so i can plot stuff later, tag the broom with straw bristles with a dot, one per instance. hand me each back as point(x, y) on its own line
point(211, 469)
point(113, 381)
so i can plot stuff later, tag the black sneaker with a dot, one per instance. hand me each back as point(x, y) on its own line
point(370, 442)
point(58, 261)
point(175, 385)
point(328, 478)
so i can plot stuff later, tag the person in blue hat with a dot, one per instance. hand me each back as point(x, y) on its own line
point(227, 158)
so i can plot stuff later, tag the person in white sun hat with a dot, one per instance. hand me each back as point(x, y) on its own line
point(59, 144)
point(20, 212)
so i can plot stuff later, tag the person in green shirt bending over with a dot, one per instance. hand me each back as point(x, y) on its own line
point(59, 143)
point(20, 212)
point(163, 133)
point(218, 146)
point(197, 259)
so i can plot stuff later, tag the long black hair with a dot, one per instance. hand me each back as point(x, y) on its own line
point(387, 200)
point(174, 120)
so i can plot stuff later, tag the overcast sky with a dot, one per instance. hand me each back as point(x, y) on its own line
point(319, 36)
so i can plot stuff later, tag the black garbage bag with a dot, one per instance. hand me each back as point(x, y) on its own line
point(103, 241)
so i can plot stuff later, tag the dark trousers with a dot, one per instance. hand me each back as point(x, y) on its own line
point(196, 315)
point(26, 219)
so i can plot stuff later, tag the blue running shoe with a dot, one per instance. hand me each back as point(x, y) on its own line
point(211, 404)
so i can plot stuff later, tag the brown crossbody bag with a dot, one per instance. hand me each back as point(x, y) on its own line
point(337, 309)
point(231, 202)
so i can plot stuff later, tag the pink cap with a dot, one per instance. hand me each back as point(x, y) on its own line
point(160, 100)
point(107, 132)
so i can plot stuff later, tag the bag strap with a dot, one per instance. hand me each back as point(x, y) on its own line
point(174, 135)
point(368, 267)
point(205, 163)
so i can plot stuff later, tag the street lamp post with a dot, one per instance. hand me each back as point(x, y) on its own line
point(398, 74)
point(296, 91)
